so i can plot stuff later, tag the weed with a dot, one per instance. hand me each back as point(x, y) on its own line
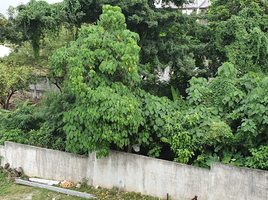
point(113, 191)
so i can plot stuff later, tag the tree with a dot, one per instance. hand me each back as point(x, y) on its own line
point(22, 55)
point(12, 79)
point(237, 33)
point(102, 63)
point(166, 36)
point(101, 69)
point(31, 23)
point(166, 39)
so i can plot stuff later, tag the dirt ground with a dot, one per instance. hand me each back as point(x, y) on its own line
point(21, 98)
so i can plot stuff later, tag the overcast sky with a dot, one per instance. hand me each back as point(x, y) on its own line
point(6, 3)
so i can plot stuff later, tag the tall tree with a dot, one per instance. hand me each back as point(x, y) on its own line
point(166, 35)
point(31, 23)
point(101, 70)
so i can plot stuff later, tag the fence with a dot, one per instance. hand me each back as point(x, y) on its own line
point(149, 176)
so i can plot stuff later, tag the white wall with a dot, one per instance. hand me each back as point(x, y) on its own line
point(2, 153)
point(149, 176)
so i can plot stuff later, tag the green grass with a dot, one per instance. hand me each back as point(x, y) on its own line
point(11, 191)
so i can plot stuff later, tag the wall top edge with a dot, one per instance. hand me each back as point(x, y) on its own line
point(214, 165)
point(7, 143)
point(157, 159)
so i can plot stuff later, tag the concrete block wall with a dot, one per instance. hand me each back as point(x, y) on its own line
point(2, 154)
point(235, 183)
point(149, 176)
point(46, 163)
point(38, 89)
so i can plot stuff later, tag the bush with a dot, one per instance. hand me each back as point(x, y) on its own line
point(259, 158)
point(14, 135)
point(38, 125)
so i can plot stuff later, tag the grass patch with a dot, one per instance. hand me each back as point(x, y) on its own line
point(11, 191)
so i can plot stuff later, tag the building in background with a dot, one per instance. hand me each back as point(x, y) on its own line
point(198, 6)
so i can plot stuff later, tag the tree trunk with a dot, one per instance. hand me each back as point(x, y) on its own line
point(6, 104)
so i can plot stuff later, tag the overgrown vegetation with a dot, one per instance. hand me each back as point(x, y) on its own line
point(111, 97)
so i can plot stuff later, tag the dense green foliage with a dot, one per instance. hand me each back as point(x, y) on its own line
point(37, 125)
point(101, 67)
point(166, 35)
point(32, 22)
point(237, 33)
point(110, 94)
point(3, 22)
point(224, 118)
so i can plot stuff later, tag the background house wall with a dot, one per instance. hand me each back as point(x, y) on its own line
point(196, 6)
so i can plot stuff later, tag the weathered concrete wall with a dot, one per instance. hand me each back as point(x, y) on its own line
point(46, 163)
point(149, 176)
point(38, 89)
point(142, 174)
point(2, 153)
point(238, 182)
point(157, 178)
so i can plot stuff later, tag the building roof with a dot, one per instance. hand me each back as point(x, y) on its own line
point(205, 5)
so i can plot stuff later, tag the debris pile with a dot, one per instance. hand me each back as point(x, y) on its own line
point(13, 173)
point(67, 184)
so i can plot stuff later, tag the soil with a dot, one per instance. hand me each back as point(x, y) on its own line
point(19, 98)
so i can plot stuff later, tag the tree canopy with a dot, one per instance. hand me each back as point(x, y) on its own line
point(12, 79)
point(166, 35)
point(101, 67)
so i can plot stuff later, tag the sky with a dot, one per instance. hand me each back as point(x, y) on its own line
point(6, 3)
